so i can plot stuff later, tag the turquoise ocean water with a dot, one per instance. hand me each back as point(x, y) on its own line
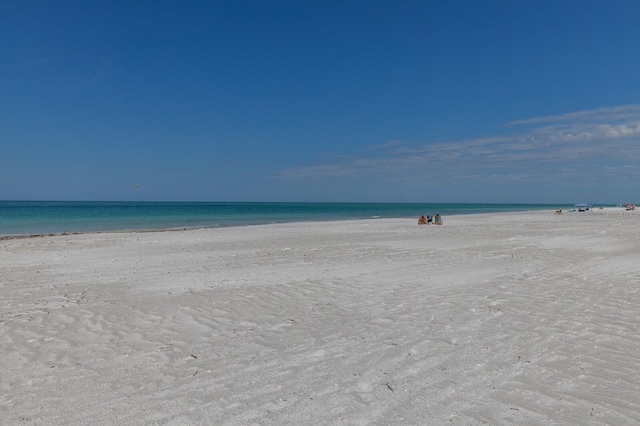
point(44, 217)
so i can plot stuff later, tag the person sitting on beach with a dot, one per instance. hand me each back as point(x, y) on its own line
point(437, 220)
point(559, 211)
point(429, 219)
point(422, 220)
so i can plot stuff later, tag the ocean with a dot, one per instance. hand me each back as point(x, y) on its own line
point(53, 217)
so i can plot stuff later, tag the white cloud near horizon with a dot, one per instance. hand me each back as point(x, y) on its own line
point(603, 141)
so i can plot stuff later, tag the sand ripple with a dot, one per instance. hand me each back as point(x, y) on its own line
point(491, 319)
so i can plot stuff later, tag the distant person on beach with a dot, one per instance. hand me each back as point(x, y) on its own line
point(437, 220)
point(422, 220)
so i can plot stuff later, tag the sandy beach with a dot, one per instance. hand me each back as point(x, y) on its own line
point(517, 318)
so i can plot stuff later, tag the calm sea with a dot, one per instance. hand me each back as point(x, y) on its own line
point(43, 217)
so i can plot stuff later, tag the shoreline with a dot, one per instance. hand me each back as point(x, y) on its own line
point(185, 228)
point(42, 218)
point(605, 210)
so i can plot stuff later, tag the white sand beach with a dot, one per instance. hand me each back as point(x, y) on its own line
point(516, 318)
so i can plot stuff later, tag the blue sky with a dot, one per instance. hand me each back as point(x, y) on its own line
point(383, 101)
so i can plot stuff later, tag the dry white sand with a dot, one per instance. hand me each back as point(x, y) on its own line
point(520, 318)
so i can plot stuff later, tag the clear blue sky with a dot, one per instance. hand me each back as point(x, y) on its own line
point(417, 101)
